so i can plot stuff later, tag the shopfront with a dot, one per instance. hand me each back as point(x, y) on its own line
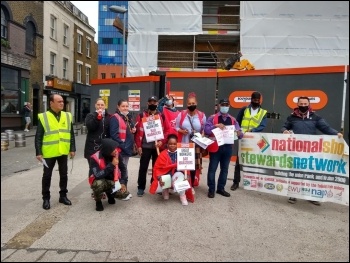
point(63, 88)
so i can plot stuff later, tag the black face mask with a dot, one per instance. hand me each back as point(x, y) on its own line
point(192, 107)
point(152, 107)
point(303, 109)
point(255, 104)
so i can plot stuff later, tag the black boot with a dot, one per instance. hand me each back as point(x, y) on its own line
point(111, 199)
point(99, 206)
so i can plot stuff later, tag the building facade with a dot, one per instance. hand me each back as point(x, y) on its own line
point(218, 42)
point(110, 39)
point(21, 60)
point(70, 54)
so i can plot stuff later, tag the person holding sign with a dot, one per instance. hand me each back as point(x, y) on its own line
point(166, 164)
point(122, 131)
point(188, 122)
point(146, 140)
point(304, 120)
point(106, 168)
point(223, 153)
point(251, 118)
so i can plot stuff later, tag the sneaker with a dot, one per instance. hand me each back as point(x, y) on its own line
point(223, 193)
point(123, 196)
point(26, 130)
point(211, 194)
point(234, 187)
point(183, 200)
point(165, 194)
point(292, 200)
point(315, 203)
point(140, 192)
point(127, 196)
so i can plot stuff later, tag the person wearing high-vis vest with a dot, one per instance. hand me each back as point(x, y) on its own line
point(251, 118)
point(54, 141)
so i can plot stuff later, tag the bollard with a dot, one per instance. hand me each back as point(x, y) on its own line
point(83, 129)
point(20, 140)
point(11, 134)
point(4, 141)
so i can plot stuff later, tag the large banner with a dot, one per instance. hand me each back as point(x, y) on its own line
point(311, 167)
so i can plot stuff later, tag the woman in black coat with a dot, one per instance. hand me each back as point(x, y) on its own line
point(97, 124)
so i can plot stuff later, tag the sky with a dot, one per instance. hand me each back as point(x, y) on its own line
point(90, 9)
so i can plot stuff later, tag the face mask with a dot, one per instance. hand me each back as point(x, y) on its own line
point(224, 109)
point(192, 107)
point(303, 109)
point(124, 113)
point(152, 107)
point(103, 112)
point(169, 102)
point(255, 104)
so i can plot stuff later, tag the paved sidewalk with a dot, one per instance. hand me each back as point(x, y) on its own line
point(248, 226)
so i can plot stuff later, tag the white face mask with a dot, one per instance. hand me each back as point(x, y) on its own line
point(103, 112)
point(224, 109)
point(124, 113)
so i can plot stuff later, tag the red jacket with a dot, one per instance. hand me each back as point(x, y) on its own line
point(163, 166)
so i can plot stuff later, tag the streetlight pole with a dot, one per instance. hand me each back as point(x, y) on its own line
point(122, 10)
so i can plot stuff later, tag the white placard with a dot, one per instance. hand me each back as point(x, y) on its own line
point(203, 142)
point(152, 127)
point(185, 156)
point(225, 136)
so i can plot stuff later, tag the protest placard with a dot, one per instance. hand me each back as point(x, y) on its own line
point(185, 156)
point(153, 129)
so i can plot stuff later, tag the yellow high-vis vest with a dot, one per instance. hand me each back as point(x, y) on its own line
point(249, 122)
point(56, 141)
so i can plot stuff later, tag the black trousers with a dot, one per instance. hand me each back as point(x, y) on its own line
point(146, 156)
point(237, 175)
point(62, 162)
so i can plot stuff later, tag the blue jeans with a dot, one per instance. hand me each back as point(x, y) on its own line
point(222, 156)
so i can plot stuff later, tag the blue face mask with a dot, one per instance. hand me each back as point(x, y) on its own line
point(169, 102)
point(224, 109)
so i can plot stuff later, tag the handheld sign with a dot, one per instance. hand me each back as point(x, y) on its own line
point(153, 129)
point(185, 156)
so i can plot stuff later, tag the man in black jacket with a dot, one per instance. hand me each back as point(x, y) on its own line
point(54, 140)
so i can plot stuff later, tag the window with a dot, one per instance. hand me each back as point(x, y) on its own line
point(53, 22)
point(79, 73)
point(103, 75)
point(4, 19)
point(65, 34)
point(52, 63)
point(87, 76)
point(112, 75)
point(79, 43)
point(10, 91)
point(88, 47)
point(30, 38)
point(65, 68)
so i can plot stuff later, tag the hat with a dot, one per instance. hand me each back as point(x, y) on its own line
point(224, 101)
point(256, 95)
point(152, 98)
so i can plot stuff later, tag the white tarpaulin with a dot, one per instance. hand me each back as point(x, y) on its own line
point(147, 20)
point(142, 54)
point(286, 34)
point(166, 17)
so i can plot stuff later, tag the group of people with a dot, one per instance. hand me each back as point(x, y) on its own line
point(112, 139)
